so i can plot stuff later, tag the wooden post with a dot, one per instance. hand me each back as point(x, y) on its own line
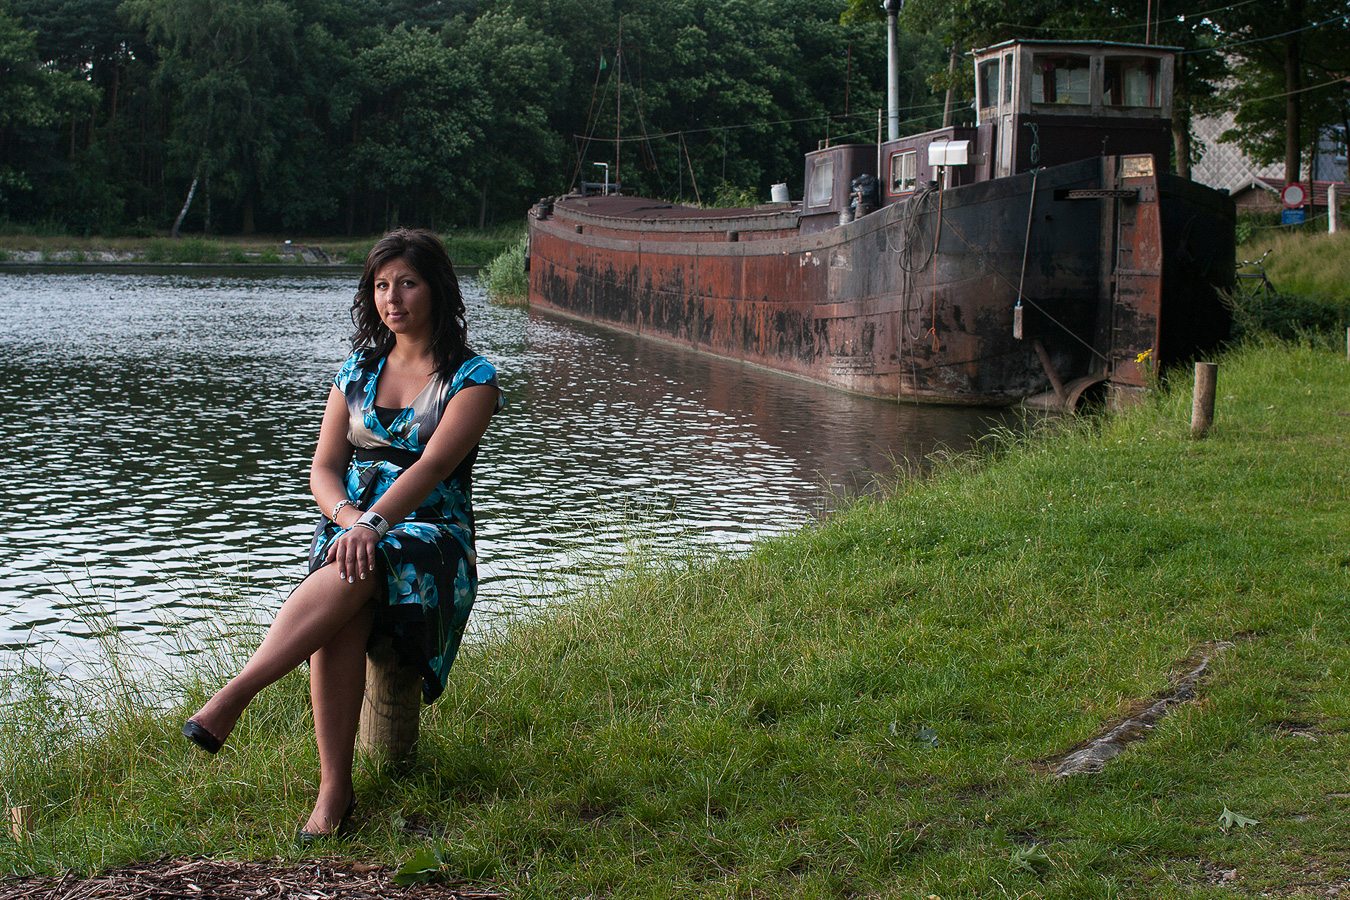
point(392, 705)
point(1202, 405)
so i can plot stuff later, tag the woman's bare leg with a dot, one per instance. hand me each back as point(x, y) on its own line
point(319, 609)
point(337, 682)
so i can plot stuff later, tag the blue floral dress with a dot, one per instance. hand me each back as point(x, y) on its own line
point(428, 559)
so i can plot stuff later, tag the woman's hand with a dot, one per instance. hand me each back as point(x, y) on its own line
point(354, 553)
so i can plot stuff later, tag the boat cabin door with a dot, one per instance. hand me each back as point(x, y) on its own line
point(994, 81)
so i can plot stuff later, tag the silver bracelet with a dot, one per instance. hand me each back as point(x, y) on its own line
point(375, 522)
point(338, 508)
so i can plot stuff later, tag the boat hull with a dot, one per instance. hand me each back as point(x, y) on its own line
point(917, 300)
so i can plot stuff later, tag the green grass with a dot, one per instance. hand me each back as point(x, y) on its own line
point(1316, 266)
point(473, 248)
point(860, 709)
point(506, 279)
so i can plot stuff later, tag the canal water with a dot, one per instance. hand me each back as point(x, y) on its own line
point(158, 429)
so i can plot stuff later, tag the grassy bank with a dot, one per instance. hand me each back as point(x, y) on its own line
point(868, 708)
point(469, 248)
point(1314, 266)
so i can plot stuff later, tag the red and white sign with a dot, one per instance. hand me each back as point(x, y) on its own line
point(1294, 195)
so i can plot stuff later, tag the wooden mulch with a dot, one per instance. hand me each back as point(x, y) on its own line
point(209, 879)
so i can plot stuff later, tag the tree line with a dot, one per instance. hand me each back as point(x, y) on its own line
point(349, 116)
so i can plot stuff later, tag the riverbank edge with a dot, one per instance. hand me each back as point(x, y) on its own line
point(865, 707)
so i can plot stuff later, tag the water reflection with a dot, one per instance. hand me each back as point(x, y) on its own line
point(159, 429)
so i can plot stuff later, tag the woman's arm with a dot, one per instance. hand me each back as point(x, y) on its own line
point(332, 454)
point(462, 425)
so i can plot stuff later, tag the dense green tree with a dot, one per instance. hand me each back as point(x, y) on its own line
point(521, 72)
point(353, 114)
point(735, 90)
point(421, 113)
point(1288, 80)
point(226, 63)
point(35, 100)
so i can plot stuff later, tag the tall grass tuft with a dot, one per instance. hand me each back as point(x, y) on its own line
point(506, 279)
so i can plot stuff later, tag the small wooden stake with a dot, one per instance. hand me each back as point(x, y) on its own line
point(21, 822)
point(392, 705)
point(1202, 405)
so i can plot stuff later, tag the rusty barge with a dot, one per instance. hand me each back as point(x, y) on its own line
point(1040, 255)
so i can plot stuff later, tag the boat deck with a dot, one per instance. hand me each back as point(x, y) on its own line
point(657, 218)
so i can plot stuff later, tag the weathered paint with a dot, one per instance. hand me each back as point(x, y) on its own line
point(902, 302)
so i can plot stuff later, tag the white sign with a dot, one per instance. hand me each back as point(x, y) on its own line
point(1293, 195)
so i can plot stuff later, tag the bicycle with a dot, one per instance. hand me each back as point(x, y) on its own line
point(1263, 286)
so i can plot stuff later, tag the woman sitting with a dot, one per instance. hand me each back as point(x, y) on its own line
point(392, 475)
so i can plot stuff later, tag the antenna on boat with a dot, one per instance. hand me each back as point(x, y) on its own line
point(893, 8)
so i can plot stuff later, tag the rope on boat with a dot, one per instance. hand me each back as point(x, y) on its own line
point(911, 236)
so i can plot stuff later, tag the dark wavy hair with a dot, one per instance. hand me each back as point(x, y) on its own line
point(424, 252)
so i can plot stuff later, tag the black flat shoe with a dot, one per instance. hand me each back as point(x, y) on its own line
point(306, 838)
point(202, 738)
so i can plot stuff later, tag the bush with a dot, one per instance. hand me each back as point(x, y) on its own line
point(729, 196)
point(506, 280)
point(194, 250)
point(157, 251)
point(1286, 316)
point(357, 257)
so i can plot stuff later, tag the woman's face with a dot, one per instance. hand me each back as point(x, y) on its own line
point(403, 299)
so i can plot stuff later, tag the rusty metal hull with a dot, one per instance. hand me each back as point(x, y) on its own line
point(918, 299)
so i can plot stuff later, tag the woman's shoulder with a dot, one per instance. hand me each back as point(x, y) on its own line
point(355, 365)
point(475, 370)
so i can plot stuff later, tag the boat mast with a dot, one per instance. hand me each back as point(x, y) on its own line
point(892, 70)
point(618, 103)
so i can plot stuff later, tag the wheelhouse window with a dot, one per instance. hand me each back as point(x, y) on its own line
point(1061, 79)
point(904, 171)
point(1131, 82)
point(822, 182)
point(987, 83)
point(1007, 79)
